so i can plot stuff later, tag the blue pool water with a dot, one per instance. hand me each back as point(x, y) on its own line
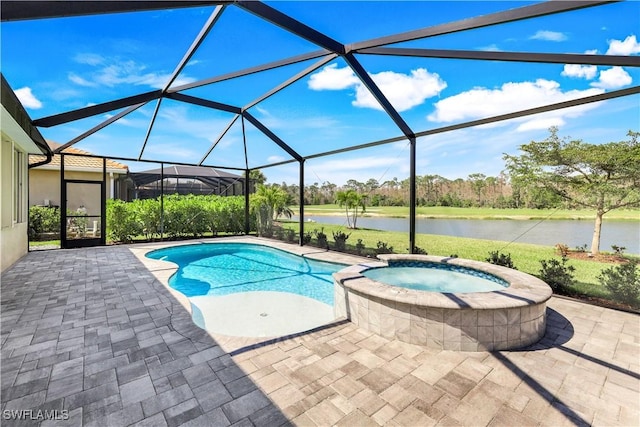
point(226, 268)
point(435, 277)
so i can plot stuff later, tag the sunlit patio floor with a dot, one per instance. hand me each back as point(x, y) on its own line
point(94, 332)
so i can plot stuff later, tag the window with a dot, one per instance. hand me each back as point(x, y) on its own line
point(18, 186)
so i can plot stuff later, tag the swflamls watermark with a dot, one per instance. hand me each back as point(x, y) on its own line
point(35, 414)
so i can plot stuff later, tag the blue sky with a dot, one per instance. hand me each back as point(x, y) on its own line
point(56, 65)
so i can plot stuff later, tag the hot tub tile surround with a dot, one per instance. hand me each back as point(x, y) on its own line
point(507, 319)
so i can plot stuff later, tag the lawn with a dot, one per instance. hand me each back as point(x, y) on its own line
point(474, 213)
point(526, 257)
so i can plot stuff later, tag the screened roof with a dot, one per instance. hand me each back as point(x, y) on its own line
point(246, 84)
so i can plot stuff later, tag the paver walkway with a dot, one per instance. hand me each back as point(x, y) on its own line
point(93, 332)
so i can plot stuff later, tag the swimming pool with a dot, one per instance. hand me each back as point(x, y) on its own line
point(218, 269)
point(435, 277)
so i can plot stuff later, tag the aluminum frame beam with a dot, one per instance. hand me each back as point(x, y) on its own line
point(292, 80)
point(83, 113)
point(23, 10)
point(265, 130)
point(551, 58)
point(292, 25)
point(525, 12)
point(222, 134)
point(366, 79)
point(251, 70)
point(133, 159)
point(98, 127)
point(522, 113)
point(206, 28)
point(204, 102)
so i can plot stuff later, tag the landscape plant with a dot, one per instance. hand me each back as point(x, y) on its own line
point(340, 238)
point(122, 224)
point(43, 219)
point(558, 275)
point(499, 258)
point(321, 238)
point(383, 248)
point(623, 281)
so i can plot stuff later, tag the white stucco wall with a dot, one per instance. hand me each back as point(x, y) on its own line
point(14, 239)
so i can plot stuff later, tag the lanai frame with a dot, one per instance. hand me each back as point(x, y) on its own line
point(329, 49)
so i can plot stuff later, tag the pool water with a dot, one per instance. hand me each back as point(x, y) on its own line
point(216, 269)
point(433, 277)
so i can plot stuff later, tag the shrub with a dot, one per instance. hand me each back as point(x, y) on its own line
point(306, 237)
point(359, 247)
point(582, 248)
point(418, 250)
point(43, 219)
point(148, 214)
point(341, 240)
point(383, 248)
point(557, 274)
point(321, 238)
point(290, 235)
point(618, 250)
point(623, 282)
point(122, 223)
point(497, 258)
point(279, 233)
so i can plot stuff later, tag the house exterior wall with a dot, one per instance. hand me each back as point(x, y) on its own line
point(13, 194)
point(44, 184)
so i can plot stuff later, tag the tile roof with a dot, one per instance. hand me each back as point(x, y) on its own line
point(76, 161)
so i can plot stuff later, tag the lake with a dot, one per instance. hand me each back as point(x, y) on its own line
point(546, 232)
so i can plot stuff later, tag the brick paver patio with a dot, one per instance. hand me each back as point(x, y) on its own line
point(94, 333)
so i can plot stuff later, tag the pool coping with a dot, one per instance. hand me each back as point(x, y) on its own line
point(524, 289)
point(162, 270)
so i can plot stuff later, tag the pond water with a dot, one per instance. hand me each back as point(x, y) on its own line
point(547, 232)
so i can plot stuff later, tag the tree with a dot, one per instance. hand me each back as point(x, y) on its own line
point(271, 201)
point(601, 177)
point(352, 202)
point(257, 177)
point(478, 183)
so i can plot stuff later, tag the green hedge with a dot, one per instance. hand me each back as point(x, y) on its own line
point(184, 216)
point(43, 219)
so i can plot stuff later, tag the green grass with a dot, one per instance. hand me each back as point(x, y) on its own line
point(44, 243)
point(475, 213)
point(526, 257)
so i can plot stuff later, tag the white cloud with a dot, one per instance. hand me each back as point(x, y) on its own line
point(89, 59)
point(491, 48)
point(580, 71)
point(552, 36)
point(276, 159)
point(627, 47)
point(112, 72)
point(27, 98)
point(333, 78)
point(80, 81)
point(613, 78)
point(404, 91)
point(481, 102)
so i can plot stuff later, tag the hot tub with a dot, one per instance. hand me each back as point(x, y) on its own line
point(510, 316)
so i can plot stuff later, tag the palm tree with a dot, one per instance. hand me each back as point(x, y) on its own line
point(271, 202)
point(352, 202)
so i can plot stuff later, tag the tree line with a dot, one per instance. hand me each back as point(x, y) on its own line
point(476, 190)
